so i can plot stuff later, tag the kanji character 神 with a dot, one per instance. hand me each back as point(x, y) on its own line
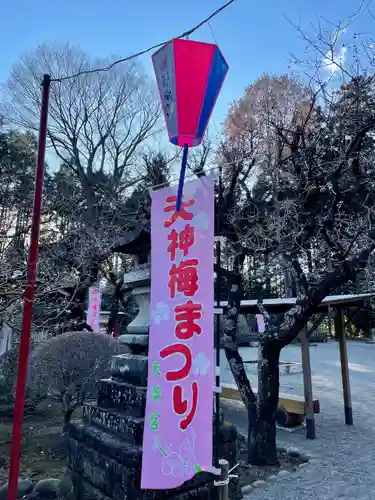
point(182, 214)
point(154, 420)
point(186, 315)
point(184, 278)
point(181, 241)
point(180, 405)
point(174, 376)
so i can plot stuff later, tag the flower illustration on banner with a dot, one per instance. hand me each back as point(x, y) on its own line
point(201, 364)
point(191, 190)
point(181, 463)
point(157, 446)
point(160, 313)
point(173, 464)
point(201, 220)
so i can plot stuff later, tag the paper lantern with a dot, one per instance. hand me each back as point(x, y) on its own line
point(189, 76)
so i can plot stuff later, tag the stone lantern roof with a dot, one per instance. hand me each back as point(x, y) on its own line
point(136, 242)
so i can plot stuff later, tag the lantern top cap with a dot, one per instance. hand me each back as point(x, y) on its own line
point(183, 40)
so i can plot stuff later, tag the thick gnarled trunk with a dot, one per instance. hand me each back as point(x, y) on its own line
point(262, 408)
point(233, 356)
point(262, 428)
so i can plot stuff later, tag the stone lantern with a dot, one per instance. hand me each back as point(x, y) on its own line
point(139, 281)
point(105, 446)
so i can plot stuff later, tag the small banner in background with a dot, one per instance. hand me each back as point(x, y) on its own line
point(177, 439)
point(93, 312)
point(260, 322)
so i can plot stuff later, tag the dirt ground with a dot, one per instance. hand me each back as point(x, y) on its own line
point(44, 453)
point(248, 474)
point(43, 450)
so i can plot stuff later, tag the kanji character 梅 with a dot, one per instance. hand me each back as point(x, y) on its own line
point(183, 278)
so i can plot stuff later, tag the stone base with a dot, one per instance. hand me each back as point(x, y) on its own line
point(123, 396)
point(228, 446)
point(100, 457)
point(137, 344)
point(104, 466)
point(105, 447)
point(114, 472)
point(87, 491)
point(115, 421)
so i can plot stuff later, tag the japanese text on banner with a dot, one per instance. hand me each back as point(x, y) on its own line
point(177, 440)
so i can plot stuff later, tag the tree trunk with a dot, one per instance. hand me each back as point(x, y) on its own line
point(113, 314)
point(67, 418)
point(234, 358)
point(261, 409)
point(262, 429)
point(115, 303)
point(290, 286)
point(88, 276)
point(237, 368)
point(91, 214)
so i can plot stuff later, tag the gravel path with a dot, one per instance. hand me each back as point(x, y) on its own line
point(345, 456)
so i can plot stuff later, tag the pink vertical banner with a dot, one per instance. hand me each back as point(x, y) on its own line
point(93, 311)
point(177, 438)
point(261, 324)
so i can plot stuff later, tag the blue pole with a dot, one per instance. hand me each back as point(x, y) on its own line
point(182, 177)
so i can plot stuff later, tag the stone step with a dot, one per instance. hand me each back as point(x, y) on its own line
point(131, 368)
point(93, 438)
point(83, 489)
point(137, 344)
point(120, 481)
point(116, 422)
point(123, 396)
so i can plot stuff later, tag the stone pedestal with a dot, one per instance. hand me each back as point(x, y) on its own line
point(136, 337)
point(105, 452)
point(105, 446)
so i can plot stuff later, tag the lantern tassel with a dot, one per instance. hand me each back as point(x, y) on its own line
point(182, 177)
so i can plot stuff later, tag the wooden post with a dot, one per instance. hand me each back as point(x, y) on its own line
point(223, 483)
point(307, 385)
point(340, 335)
point(330, 322)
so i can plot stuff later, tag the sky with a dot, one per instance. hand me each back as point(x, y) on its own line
point(255, 36)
